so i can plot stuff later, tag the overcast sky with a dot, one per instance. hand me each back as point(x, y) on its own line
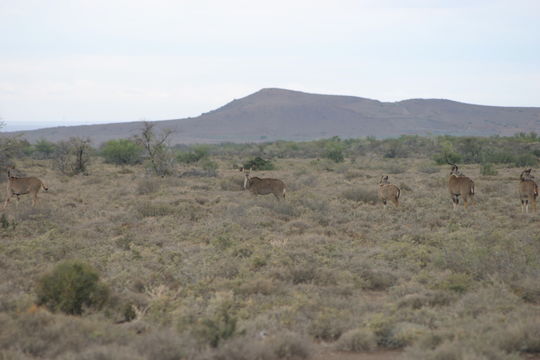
point(97, 61)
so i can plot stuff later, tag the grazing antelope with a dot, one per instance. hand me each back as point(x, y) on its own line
point(460, 185)
point(528, 191)
point(23, 185)
point(388, 191)
point(265, 186)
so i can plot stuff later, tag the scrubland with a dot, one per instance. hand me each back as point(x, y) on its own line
point(199, 269)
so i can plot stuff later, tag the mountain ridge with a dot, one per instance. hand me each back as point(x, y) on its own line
point(282, 114)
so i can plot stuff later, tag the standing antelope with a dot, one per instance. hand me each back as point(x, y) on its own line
point(388, 191)
point(528, 191)
point(23, 185)
point(265, 186)
point(459, 184)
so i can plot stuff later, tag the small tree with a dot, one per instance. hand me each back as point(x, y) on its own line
point(122, 152)
point(72, 157)
point(159, 154)
point(43, 149)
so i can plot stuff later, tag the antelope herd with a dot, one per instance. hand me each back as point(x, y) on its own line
point(459, 185)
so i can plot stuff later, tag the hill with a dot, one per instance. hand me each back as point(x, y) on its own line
point(272, 114)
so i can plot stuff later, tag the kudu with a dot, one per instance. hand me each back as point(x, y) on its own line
point(265, 186)
point(23, 185)
point(528, 191)
point(460, 185)
point(388, 192)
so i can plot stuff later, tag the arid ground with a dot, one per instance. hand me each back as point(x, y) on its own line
point(197, 268)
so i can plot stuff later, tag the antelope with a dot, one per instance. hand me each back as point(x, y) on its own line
point(388, 191)
point(23, 185)
point(265, 186)
point(528, 191)
point(459, 184)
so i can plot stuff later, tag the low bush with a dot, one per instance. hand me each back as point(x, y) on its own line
point(487, 169)
point(360, 195)
point(357, 340)
point(71, 287)
point(122, 152)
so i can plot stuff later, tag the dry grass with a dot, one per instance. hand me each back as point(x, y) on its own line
point(209, 271)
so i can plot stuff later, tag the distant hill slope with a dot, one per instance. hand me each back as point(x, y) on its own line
point(272, 114)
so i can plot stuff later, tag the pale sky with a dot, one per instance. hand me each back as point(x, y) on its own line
point(69, 62)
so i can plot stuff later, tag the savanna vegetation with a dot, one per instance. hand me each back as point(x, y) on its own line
point(140, 250)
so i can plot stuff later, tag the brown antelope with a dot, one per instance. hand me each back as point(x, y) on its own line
point(265, 186)
point(528, 191)
point(388, 191)
point(460, 185)
point(23, 185)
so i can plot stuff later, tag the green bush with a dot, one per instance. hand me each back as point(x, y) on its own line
point(525, 160)
point(71, 287)
point(43, 149)
point(259, 163)
point(210, 167)
point(334, 152)
point(122, 152)
point(190, 157)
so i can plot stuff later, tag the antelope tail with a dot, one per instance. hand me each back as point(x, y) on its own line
point(398, 192)
point(471, 192)
point(284, 191)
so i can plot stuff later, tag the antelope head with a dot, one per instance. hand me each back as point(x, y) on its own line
point(455, 170)
point(384, 180)
point(526, 175)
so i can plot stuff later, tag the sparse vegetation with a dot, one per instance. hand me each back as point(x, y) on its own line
point(195, 268)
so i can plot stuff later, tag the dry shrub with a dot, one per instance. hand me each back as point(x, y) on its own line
point(148, 186)
point(428, 169)
point(357, 340)
point(377, 279)
point(232, 184)
point(523, 336)
point(284, 345)
point(527, 288)
point(353, 174)
point(148, 209)
point(104, 352)
point(329, 324)
point(395, 169)
point(368, 196)
point(164, 345)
